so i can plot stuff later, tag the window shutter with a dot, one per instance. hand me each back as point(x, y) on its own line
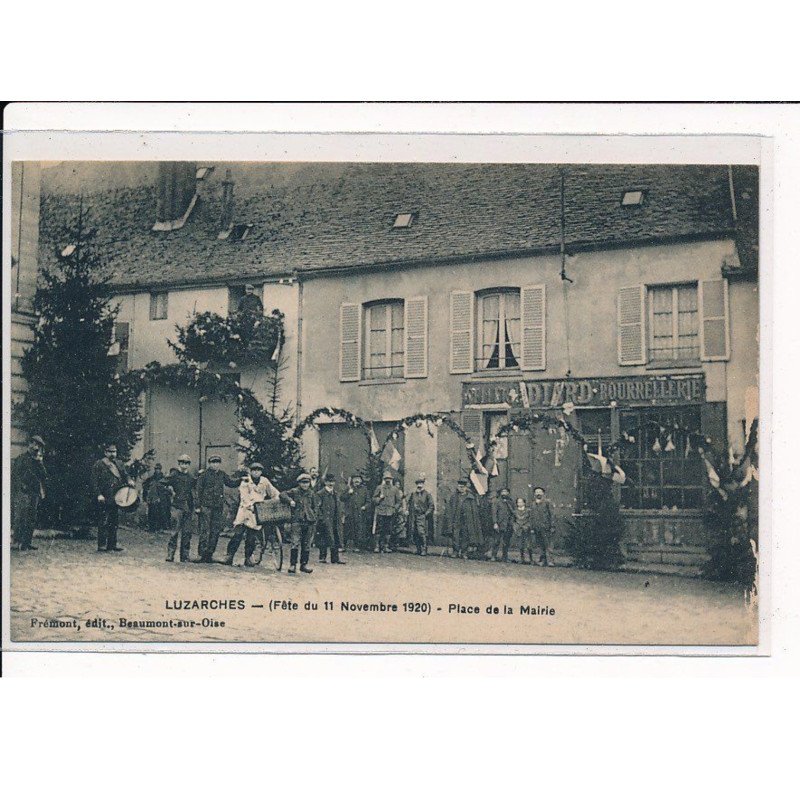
point(461, 332)
point(416, 328)
point(350, 342)
point(714, 324)
point(631, 347)
point(534, 322)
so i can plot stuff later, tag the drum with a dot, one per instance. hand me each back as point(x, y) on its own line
point(127, 498)
point(272, 511)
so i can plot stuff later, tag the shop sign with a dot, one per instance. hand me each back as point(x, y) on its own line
point(644, 390)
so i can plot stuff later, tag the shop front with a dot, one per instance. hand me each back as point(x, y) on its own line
point(646, 419)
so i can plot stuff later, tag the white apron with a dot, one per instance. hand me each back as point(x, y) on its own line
point(249, 494)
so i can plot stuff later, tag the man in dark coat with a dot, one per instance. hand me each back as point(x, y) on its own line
point(502, 523)
point(209, 496)
point(329, 524)
point(182, 485)
point(305, 513)
point(250, 302)
point(420, 516)
point(543, 524)
point(155, 513)
point(356, 515)
point(28, 482)
point(463, 522)
point(108, 477)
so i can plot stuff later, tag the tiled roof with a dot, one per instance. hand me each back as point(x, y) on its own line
point(339, 216)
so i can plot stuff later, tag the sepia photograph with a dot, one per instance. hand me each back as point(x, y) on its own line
point(387, 402)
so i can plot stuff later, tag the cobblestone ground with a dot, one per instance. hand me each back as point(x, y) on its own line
point(69, 582)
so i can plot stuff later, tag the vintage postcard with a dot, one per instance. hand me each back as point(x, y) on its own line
point(420, 398)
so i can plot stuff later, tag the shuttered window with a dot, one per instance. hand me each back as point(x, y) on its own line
point(714, 327)
point(631, 325)
point(416, 345)
point(384, 346)
point(461, 332)
point(121, 345)
point(159, 305)
point(349, 342)
point(673, 324)
point(499, 329)
point(534, 327)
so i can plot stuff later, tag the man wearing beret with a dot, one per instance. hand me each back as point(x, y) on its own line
point(210, 499)
point(28, 479)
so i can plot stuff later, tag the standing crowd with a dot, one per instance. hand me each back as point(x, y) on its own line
point(314, 512)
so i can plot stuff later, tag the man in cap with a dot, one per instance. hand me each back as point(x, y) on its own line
point(255, 488)
point(250, 302)
point(463, 521)
point(210, 498)
point(329, 523)
point(356, 514)
point(108, 476)
point(305, 513)
point(388, 501)
point(182, 485)
point(502, 523)
point(543, 523)
point(420, 516)
point(154, 512)
point(28, 483)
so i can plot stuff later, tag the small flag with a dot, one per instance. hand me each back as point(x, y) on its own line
point(490, 464)
point(478, 458)
point(391, 456)
point(523, 393)
point(374, 447)
point(713, 477)
point(480, 482)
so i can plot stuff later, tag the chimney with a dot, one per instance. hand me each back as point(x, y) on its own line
point(175, 194)
point(227, 202)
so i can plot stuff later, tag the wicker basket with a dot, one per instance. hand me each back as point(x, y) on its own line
point(272, 511)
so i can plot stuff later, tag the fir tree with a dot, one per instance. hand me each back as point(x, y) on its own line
point(75, 399)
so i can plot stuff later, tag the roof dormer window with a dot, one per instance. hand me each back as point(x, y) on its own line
point(403, 220)
point(633, 197)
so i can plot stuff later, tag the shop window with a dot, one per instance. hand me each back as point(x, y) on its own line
point(159, 305)
point(674, 324)
point(499, 330)
point(384, 350)
point(663, 471)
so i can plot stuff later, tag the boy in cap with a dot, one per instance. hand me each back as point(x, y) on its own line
point(388, 501)
point(254, 488)
point(420, 516)
point(329, 523)
point(182, 485)
point(28, 478)
point(542, 523)
point(210, 499)
point(303, 502)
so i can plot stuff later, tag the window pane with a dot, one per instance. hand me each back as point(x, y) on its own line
point(491, 306)
point(687, 298)
point(662, 300)
point(512, 305)
point(377, 318)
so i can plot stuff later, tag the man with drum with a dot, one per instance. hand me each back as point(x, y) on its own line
point(210, 498)
point(108, 477)
point(255, 488)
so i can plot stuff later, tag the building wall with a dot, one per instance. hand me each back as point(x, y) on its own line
point(25, 198)
point(173, 419)
point(591, 308)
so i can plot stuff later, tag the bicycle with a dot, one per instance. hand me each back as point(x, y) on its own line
point(271, 546)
